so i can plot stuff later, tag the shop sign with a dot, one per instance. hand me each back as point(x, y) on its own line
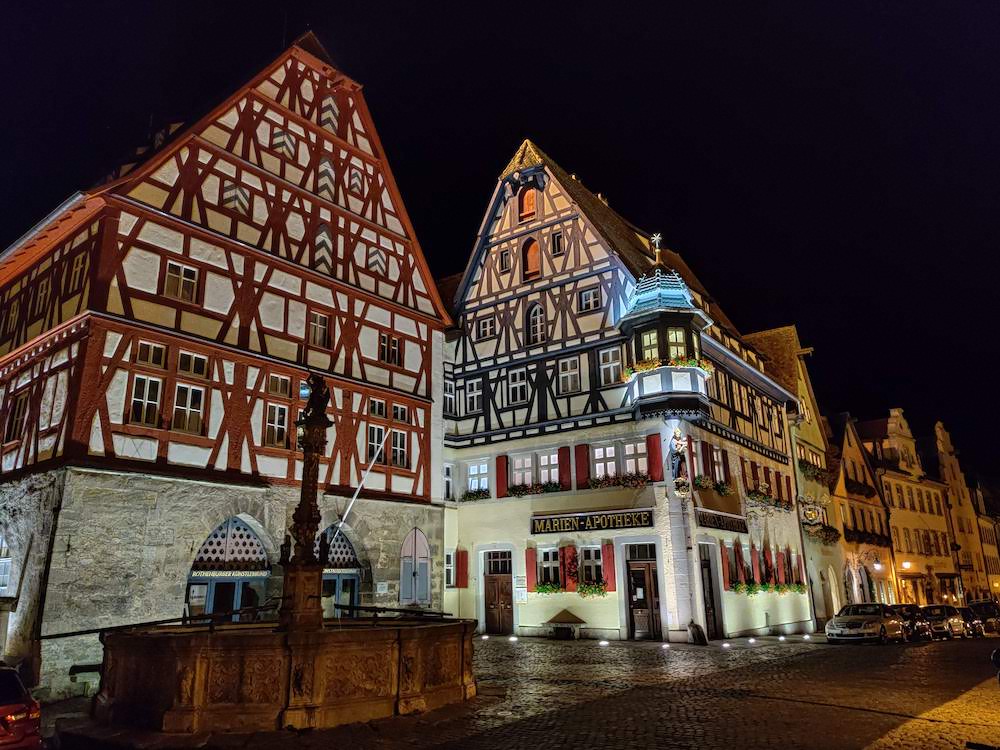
point(709, 520)
point(230, 573)
point(598, 521)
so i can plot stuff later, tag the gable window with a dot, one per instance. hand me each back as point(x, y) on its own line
point(376, 407)
point(146, 400)
point(605, 463)
point(486, 327)
point(548, 467)
point(523, 473)
point(676, 348)
point(182, 282)
point(401, 413)
point(517, 386)
point(279, 385)
point(449, 482)
point(611, 366)
point(449, 397)
point(478, 476)
point(569, 375)
point(548, 566)
point(536, 325)
point(388, 349)
point(415, 569)
point(635, 457)
point(473, 396)
point(400, 458)
point(590, 565)
point(589, 300)
point(151, 354)
point(276, 426)
point(15, 422)
point(526, 203)
point(376, 438)
point(557, 244)
point(650, 345)
point(319, 329)
point(505, 260)
point(4, 564)
point(532, 260)
point(188, 407)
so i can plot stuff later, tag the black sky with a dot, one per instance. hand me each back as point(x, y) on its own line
point(828, 164)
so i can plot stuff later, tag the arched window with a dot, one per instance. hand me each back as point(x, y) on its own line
point(4, 564)
point(341, 574)
point(536, 325)
point(531, 260)
point(415, 569)
point(526, 204)
point(229, 572)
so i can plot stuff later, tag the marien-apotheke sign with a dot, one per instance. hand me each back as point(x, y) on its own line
point(596, 521)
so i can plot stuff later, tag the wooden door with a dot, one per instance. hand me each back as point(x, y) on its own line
point(499, 604)
point(712, 629)
point(644, 601)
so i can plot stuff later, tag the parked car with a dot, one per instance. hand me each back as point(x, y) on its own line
point(945, 621)
point(989, 613)
point(973, 623)
point(865, 622)
point(915, 624)
point(20, 714)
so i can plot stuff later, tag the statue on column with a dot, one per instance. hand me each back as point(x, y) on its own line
point(678, 454)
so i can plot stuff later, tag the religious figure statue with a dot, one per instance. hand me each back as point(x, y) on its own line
point(319, 398)
point(285, 551)
point(324, 549)
point(678, 454)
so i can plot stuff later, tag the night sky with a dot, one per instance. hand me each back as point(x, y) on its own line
point(832, 165)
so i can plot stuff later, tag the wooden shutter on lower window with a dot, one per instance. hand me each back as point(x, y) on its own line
point(461, 568)
point(788, 487)
point(724, 562)
point(725, 468)
point(755, 562)
point(777, 492)
point(706, 459)
point(781, 567)
point(743, 473)
point(502, 476)
point(654, 457)
point(531, 567)
point(608, 565)
point(755, 473)
point(565, 469)
point(582, 452)
point(567, 564)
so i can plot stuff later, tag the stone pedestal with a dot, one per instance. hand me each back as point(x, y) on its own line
point(301, 599)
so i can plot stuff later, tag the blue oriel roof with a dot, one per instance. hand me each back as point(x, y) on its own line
point(659, 289)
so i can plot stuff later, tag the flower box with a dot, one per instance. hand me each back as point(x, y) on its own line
point(475, 495)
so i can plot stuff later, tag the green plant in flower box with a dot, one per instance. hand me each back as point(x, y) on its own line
point(738, 587)
point(587, 590)
point(765, 587)
point(703, 482)
point(548, 588)
point(799, 588)
point(475, 495)
point(780, 588)
point(551, 487)
point(723, 489)
point(752, 589)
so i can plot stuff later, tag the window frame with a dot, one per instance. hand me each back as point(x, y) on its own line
point(610, 372)
point(153, 347)
point(193, 357)
point(548, 566)
point(272, 427)
point(477, 473)
point(390, 349)
point(448, 407)
point(676, 349)
point(399, 449)
point(20, 404)
point(486, 328)
point(567, 375)
point(531, 260)
point(556, 245)
point(179, 293)
point(520, 385)
point(604, 460)
point(146, 402)
point(188, 410)
point(588, 307)
point(591, 564)
point(318, 329)
point(649, 344)
point(536, 324)
point(474, 396)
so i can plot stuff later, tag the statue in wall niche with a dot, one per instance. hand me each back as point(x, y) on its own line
point(678, 454)
point(285, 551)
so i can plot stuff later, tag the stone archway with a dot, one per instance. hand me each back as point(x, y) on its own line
point(355, 535)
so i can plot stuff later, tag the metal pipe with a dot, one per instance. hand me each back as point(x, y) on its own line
point(360, 485)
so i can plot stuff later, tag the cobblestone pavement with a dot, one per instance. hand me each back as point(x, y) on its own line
point(793, 694)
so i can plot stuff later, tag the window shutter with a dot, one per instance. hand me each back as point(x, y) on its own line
point(754, 473)
point(755, 562)
point(501, 476)
point(781, 566)
point(706, 458)
point(608, 565)
point(777, 485)
point(565, 469)
point(582, 466)
point(567, 560)
point(725, 468)
point(767, 479)
point(724, 562)
point(531, 567)
point(767, 569)
point(741, 566)
point(654, 457)
point(788, 487)
point(743, 473)
point(424, 581)
point(406, 581)
point(461, 568)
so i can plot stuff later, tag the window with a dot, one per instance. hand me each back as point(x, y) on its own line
point(719, 469)
point(505, 260)
point(590, 565)
point(526, 203)
point(676, 347)
point(800, 452)
point(319, 329)
point(589, 300)
point(517, 386)
point(536, 325)
point(193, 364)
point(498, 563)
point(548, 467)
point(937, 504)
point(276, 426)
point(548, 566)
point(605, 464)
point(182, 282)
point(376, 407)
point(650, 346)
point(895, 539)
point(188, 408)
point(388, 349)
point(532, 260)
point(473, 396)
point(42, 296)
point(920, 501)
point(635, 457)
point(899, 497)
point(557, 244)
point(146, 400)
point(479, 476)
point(610, 366)
point(151, 354)
point(486, 327)
point(15, 422)
point(449, 397)
point(4, 564)
point(522, 470)
point(569, 375)
point(399, 455)
point(415, 569)
point(76, 272)
point(279, 385)
point(906, 540)
point(401, 413)
point(449, 568)
point(376, 440)
point(449, 482)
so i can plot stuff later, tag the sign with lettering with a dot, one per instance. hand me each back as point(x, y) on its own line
point(709, 520)
point(597, 521)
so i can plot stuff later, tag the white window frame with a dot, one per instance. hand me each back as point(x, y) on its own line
point(477, 475)
point(610, 361)
point(474, 396)
point(536, 325)
point(548, 466)
point(517, 385)
point(186, 412)
point(649, 344)
point(275, 425)
point(376, 407)
point(319, 329)
point(605, 460)
point(522, 469)
point(389, 349)
point(588, 300)
point(376, 443)
point(400, 449)
point(676, 343)
point(569, 375)
point(449, 568)
point(634, 455)
point(449, 481)
point(718, 469)
point(548, 566)
point(449, 398)
point(591, 564)
point(279, 385)
point(5, 564)
point(185, 279)
point(146, 400)
point(194, 360)
point(486, 328)
point(147, 358)
point(401, 413)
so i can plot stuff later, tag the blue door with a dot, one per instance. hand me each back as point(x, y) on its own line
point(215, 595)
point(340, 590)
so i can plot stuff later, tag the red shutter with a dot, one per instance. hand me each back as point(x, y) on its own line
point(755, 562)
point(755, 474)
point(531, 567)
point(608, 565)
point(741, 569)
point(654, 457)
point(565, 469)
point(743, 473)
point(461, 568)
point(725, 468)
point(788, 487)
point(582, 466)
point(567, 561)
point(767, 480)
point(802, 569)
point(781, 567)
point(501, 476)
point(723, 553)
point(691, 463)
point(706, 459)
point(777, 483)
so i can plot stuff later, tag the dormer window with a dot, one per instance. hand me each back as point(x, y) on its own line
point(536, 325)
point(526, 204)
point(532, 261)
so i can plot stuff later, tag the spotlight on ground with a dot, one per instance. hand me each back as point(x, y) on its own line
point(725, 645)
point(665, 645)
point(781, 637)
point(486, 637)
point(752, 640)
point(602, 643)
point(513, 639)
point(806, 637)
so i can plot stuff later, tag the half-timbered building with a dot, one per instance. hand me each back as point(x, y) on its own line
point(155, 333)
point(616, 456)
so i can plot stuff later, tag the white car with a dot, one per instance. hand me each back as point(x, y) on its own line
point(865, 622)
point(946, 621)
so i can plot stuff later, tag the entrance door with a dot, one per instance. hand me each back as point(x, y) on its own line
point(340, 591)
point(712, 625)
point(499, 593)
point(643, 592)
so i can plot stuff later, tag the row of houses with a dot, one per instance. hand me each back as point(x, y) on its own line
point(570, 432)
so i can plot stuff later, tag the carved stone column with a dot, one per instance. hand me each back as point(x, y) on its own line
point(301, 598)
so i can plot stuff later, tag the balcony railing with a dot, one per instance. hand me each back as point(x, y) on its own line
point(867, 537)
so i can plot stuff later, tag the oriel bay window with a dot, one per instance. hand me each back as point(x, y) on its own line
point(188, 408)
point(276, 426)
point(590, 565)
point(146, 401)
point(548, 566)
point(676, 346)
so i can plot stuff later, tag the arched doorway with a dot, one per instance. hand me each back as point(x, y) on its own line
point(229, 572)
point(341, 575)
point(415, 569)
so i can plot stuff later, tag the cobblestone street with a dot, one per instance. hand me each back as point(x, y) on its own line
point(793, 694)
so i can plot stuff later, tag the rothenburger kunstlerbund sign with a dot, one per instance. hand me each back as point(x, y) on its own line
point(596, 521)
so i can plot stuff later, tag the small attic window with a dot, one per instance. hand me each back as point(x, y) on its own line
point(526, 203)
point(531, 260)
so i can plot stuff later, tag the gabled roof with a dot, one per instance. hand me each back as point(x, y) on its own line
point(782, 349)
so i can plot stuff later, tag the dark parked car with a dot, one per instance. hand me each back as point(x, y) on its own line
point(20, 715)
point(945, 621)
point(915, 624)
point(973, 623)
point(989, 613)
